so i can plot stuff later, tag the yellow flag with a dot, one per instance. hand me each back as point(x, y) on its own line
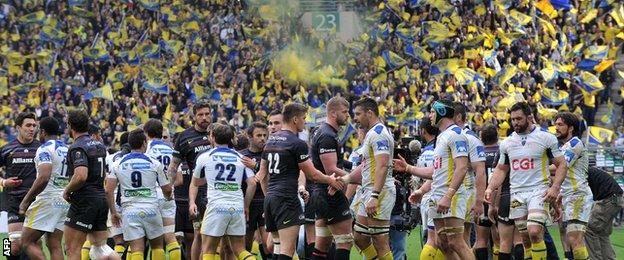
point(547, 8)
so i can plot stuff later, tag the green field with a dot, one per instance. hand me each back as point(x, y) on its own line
point(413, 243)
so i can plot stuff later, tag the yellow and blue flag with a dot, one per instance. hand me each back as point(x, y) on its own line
point(149, 51)
point(95, 54)
point(617, 13)
point(105, 92)
point(603, 65)
point(561, 4)
point(171, 46)
point(554, 97)
point(466, 76)
point(392, 59)
point(546, 8)
point(589, 82)
point(81, 12)
point(130, 57)
point(152, 5)
point(76, 2)
point(446, 66)
point(417, 52)
point(549, 73)
point(596, 52)
point(508, 72)
point(157, 84)
point(36, 18)
point(53, 35)
point(598, 135)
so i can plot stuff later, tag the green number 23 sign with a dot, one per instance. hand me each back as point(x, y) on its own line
point(326, 21)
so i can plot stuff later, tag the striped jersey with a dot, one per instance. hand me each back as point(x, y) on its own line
point(378, 141)
point(450, 144)
point(577, 160)
point(53, 152)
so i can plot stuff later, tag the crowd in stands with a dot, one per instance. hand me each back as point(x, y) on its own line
point(128, 60)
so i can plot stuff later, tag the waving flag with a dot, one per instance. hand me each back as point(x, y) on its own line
point(599, 52)
point(587, 64)
point(36, 18)
point(517, 19)
point(546, 8)
point(604, 65)
point(417, 52)
point(598, 135)
point(617, 14)
point(549, 73)
point(554, 97)
point(158, 85)
point(466, 76)
point(508, 72)
point(392, 59)
point(561, 4)
point(446, 66)
point(98, 53)
point(52, 34)
point(152, 5)
point(149, 51)
point(105, 92)
point(171, 46)
point(589, 82)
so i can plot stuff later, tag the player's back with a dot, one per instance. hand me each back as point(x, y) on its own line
point(283, 153)
point(225, 173)
point(53, 152)
point(450, 144)
point(92, 154)
point(138, 176)
point(575, 154)
point(163, 153)
point(475, 154)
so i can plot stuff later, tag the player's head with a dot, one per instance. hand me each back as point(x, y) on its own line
point(489, 134)
point(257, 134)
point(427, 130)
point(361, 133)
point(366, 112)
point(94, 132)
point(566, 125)
point(48, 127)
point(26, 124)
point(521, 117)
point(222, 134)
point(294, 116)
point(460, 113)
point(78, 121)
point(338, 110)
point(441, 110)
point(137, 140)
point(276, 119)
point(123, 139)
point(202, 114)
point(153, 129)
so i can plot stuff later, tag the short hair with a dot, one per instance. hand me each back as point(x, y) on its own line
point(256, 125)
point(523, 106)
point(19, 120)
point(136, 138)
point(489, 134)
point(460, 109)
point(202, 103)
point(123, 139)
point(274, 113)
point(78, 120)
point(50, 125)
point(223, 134)
point(426, 125)
point(571, 120)
point(153, 128)
point(336, 102)
point(293, 110)
point(368, 103)
point(94, 129)
point(242, 142)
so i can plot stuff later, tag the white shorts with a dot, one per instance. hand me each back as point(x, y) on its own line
point(456, 210)
point(577, 207)
point(223, 220)
point(167, 208)
point(424, 212)
point(386, 200)
point(112, 230)
point(523, 202)
point(141, 222)
point(47, 214)
point(470, 197)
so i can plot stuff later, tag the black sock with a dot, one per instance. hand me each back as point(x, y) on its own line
point(518, 252)
point(481, 253)
point(283, 257)
point(569, 255)
point(262, 250)
point(13, 257)
point(342, 254)
point(331, 254)
point(551, 249)
point(319, 255)
point(309, 250)
point(504, 256)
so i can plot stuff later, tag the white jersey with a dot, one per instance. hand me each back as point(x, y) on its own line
point(426, 158)
point(528, 158)
point(476, 153)
point(378, 141)
point(577, 161)
point(53, 152)
point(162, 152)
point(139, 176)
point(450, 144)
point(225, 172)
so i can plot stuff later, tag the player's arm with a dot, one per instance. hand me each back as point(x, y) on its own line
point(459, 173)
point(560, 162)
point(480, 181)
point(111, 185)
point(81, 171)
point(327, 149)
point(381, 171)
point(44, 171)
point(172, 172)
point(251, 188)
point(401, 165)
point(162, 178)
point(498, 177)
point(262, 177)
point(355, 177)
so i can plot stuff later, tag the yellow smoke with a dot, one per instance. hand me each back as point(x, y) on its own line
point(299, 64)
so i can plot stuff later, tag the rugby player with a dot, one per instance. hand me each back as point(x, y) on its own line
point(17, 158)
point(333, 217)
point(139, 176)
point(47, 213)
point(88, 211)
point(114, 232)
point(525, 154)
point(161, 150)
point(575, 191)
point(224, 172)
point(282, 159)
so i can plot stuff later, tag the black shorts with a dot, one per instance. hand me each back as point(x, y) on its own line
point(88, 214)
point(503, 209)
point(332, 208)
point(484, 220)
point(282, 212)
point(309, 212)
point(256, 220)
point(12, 208)
point(184, 222)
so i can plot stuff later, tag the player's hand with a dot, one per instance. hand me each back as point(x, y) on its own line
point(557, 213)
point(488, 196)
point(193, 211)
point(444, 204)
point(67, 196)
point(400, 164)
point(23, 207)
point(477, 210)
point(551, 194)
point(11, 182)
point(416, 196)
point(305, 195)
point(335, 182)
point(249, 163)
point(116, 220)
point(492, 213)
point(371, 206)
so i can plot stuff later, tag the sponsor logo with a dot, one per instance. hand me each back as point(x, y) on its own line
point(142, 193)
point(480, 152)
point(61, 181)
point(568, 155)
point(229, 210)
point(45, 157)
point(515, 204)
point(437, 163)
point(22, 160)
point(461, 146)
point(383, 145)
point(89, 226)
point(323, 150)
point(140, 214)
point(201, 148)
point(522, 164)
point(286, 221)
point(304, 156)
point(277, 138)
point(221, 186)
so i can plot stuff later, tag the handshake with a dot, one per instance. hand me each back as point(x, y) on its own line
point(337, 183)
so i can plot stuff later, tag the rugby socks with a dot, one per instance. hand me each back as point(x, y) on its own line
point(137, 256)
point(370, 252)
point(173, 249)
point(245, 255)
point(495, 251)
point(581, 253)
point(518, 251)
point(284, 257)
point(481, 253)
point(569, 255)
point(505, 256)
point(527, 254)
point(263, 251)
point(538, 251)
point(309, 250)
point(158, 254)
point(120, 250)
point(84, 252)
point(209, 257)
point(428, 252)
point(439, 255)
point(387, 256)
point(342, 254)
point(318, 255)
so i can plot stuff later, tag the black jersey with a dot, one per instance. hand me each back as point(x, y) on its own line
point(283, 153)
point(18, 161)
point(91, 154)
point(325, 140)
point(259, 195)
point(602, 184)
point(187, 146)
point(181, 193)
point(492, 154)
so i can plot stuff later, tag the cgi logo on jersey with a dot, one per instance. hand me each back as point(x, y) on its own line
point(437, 163)
point(522, 164)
